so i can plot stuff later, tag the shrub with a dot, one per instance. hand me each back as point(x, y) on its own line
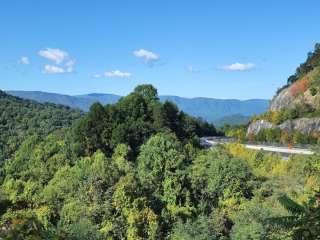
point(300, 86)
point(313, 91)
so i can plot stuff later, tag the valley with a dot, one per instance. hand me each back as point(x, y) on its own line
point(159, 120)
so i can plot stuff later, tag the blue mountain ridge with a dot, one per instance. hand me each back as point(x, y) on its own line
point(217, 111)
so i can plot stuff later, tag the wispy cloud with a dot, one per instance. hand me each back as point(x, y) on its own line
point(147, 56)
point(51, 69)
point(64, 62)
point(240, 67)
point(70, 65)
point(191, 69)
point(24, 60)
point(54, 54)
point(113, 74)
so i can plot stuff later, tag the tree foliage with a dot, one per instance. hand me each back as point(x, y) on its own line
point(133, 120)
point(312, 61)
point(21, 118)
point(135, 170)
point(303, 221)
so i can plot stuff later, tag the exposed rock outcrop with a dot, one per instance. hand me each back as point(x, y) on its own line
point(306, 126)
point(283, 100)
point(296, 101)
point(303, 125)
point(255, 127)
point(298, 93)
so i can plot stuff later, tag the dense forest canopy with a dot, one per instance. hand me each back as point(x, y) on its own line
point(21, 118)
point(133, 119)
point(135, 170)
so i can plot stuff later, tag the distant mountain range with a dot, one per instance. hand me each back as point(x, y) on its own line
point(232, 120)
point(217, 111)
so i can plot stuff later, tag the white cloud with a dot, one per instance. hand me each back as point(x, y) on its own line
point(191, 69)
point(97, 75)
point(24, 60)
point(115, 74)
point(146, 55)
point(51, 69)
point(54, 54)
point(61, 58)
point(239, 67)
point(70, 65)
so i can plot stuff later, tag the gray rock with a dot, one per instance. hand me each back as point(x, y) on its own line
point(283, 100)
point(304, 125)
point(255, 127)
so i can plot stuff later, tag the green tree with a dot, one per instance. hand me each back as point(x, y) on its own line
point(162, 171)
point(140, 220)
point(252, 222)
point(89, 131)
point(23, 225)
point(75, 222)
point(199, 229)
point(148, 91)
point(20, 118)
point(304, 219)
point(216, 176)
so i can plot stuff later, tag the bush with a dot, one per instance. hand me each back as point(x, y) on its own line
point(313, 91)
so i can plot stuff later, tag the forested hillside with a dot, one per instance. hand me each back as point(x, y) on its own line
point(232, 120)
point(135, 170)
point(21, 118)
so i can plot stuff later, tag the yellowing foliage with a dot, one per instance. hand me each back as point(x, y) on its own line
point(263, 164)
point(43, 214)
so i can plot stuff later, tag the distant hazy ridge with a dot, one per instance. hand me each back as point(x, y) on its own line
point(218, 111)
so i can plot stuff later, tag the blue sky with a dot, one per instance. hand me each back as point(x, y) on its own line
point(220, 49)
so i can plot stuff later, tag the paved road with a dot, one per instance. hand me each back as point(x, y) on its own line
point(283, 150)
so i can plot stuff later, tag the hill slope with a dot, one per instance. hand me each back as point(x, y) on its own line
point(209, 109)
point(132, 170)
point(294, 114)
point(20, 118)
point(82, 102)
point(232, 120)
point(213, 109)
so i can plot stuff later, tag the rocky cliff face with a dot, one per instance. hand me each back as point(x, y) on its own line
point(289, 98)
point(299, 100)
point(283, 100)
point(306, 126)
point(298, 94)
point(255, 127)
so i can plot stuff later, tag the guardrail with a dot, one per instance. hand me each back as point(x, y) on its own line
point(210, 141)
point(234, 140)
